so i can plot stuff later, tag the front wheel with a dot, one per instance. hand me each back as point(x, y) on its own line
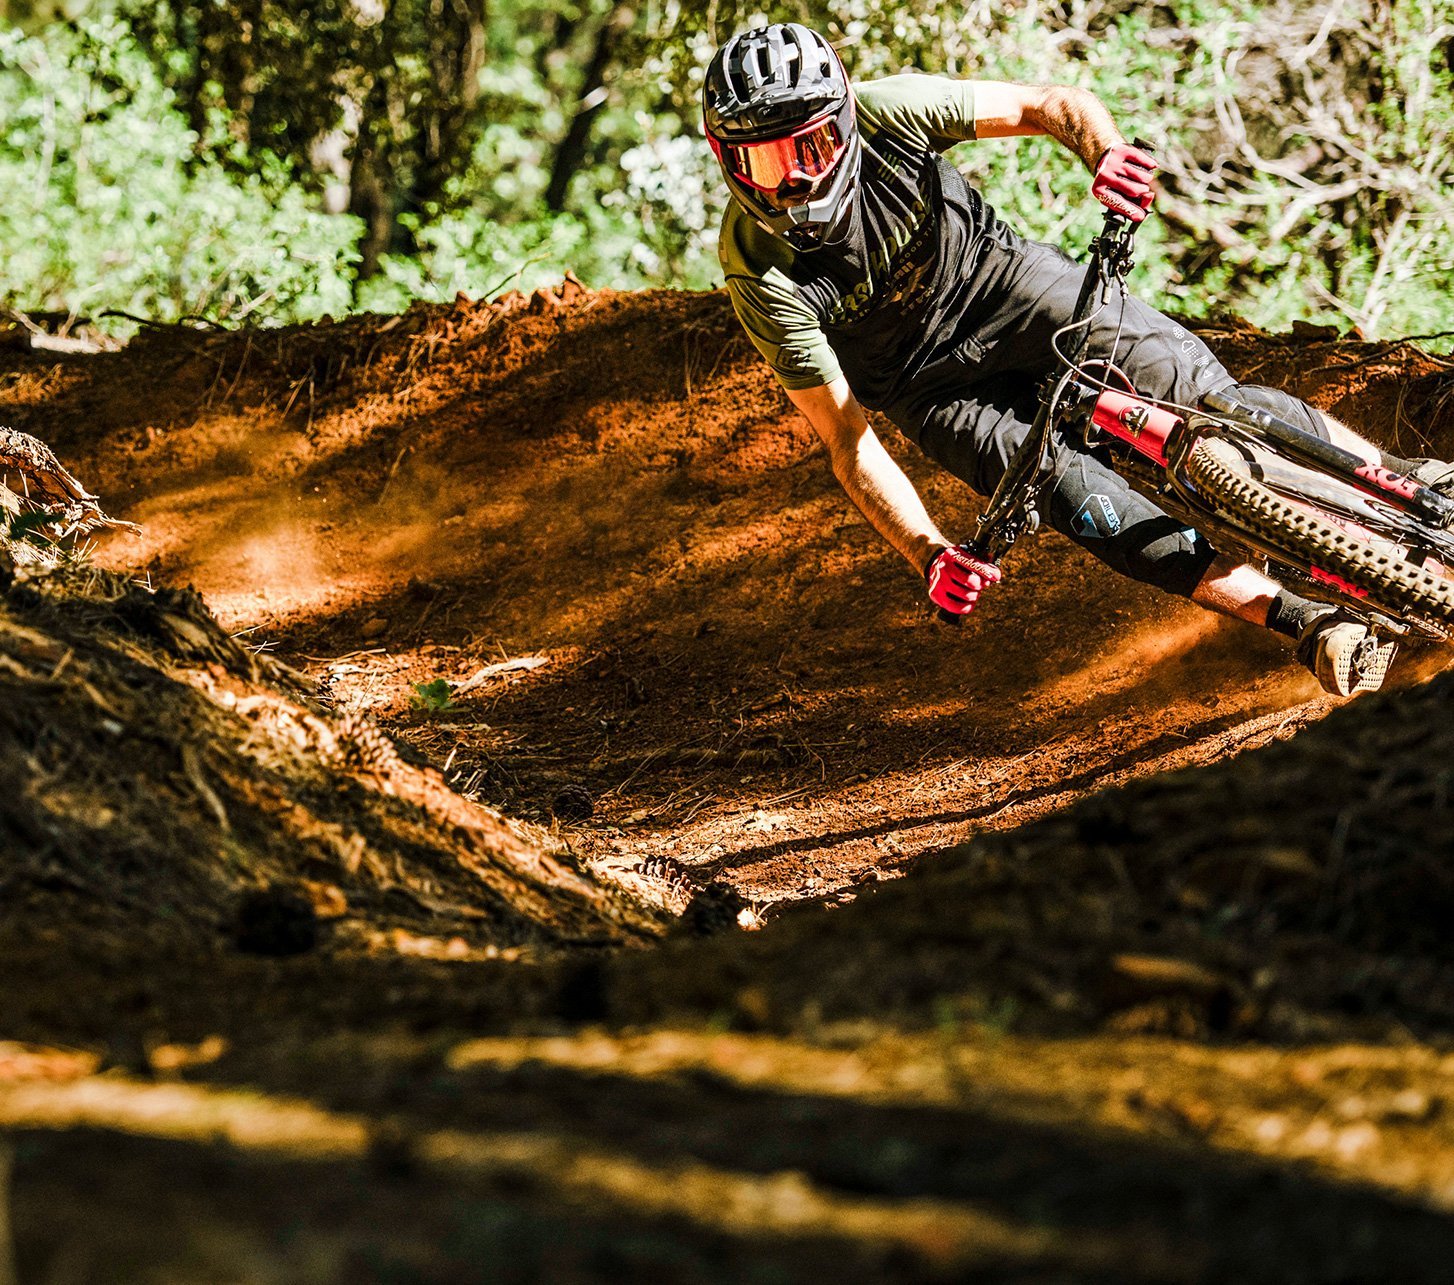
point(1375, 572)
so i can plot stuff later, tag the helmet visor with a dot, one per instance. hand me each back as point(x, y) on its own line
point(802, 157)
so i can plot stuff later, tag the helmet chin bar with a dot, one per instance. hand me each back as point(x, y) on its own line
point(806, 226)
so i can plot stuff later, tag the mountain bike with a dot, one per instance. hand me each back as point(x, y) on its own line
point(1321, 520)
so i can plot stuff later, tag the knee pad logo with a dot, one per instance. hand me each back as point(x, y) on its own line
point(1097, 518)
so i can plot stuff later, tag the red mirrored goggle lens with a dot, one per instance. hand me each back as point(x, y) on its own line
point(804, 156)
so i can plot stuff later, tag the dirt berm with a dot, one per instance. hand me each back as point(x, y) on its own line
point(393, 929)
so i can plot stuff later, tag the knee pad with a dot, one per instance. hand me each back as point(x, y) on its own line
point(1164, 553)
point(1284, 405)
point(1097, 509)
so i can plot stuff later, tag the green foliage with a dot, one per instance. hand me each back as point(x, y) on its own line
point(1309, 163)
point(433, 697)
point(177, 160)
point(464, 251)
point(400, 79)
point(113, 202)
point(28, 538)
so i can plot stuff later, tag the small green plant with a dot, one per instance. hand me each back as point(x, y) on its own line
point(999, 1016)
point(434, 697)
point(26, 528)
point(946, 1018)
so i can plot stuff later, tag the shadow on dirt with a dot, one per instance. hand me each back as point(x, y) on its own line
point(1299, 891)
point(1046, 1055)
point(537, 1171)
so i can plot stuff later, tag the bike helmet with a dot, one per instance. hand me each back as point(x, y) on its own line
point(779, 116)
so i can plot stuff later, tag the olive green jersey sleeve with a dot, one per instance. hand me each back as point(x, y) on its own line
point(932, 112)
point(781, 326)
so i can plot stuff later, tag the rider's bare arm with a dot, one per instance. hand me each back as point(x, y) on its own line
point(868, 473)
point(1075, 118)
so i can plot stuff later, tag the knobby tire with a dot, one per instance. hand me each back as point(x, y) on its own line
point(1396, 586)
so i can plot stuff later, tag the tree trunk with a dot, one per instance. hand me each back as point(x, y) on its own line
point(571, 154)
point(371, 193)
point(456, 55)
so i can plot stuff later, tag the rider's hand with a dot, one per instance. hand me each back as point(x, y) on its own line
point(957, 578)
point(1122, 181)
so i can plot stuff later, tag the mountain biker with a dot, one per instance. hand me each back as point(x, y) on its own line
point(869, 273)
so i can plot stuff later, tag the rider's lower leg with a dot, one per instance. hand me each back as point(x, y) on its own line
point(1341, 435)
point(1438, 474)
point(1342, 654)
point(1434, 473)
point(1236, 589)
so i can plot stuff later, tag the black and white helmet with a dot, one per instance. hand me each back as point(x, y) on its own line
point(779, 116)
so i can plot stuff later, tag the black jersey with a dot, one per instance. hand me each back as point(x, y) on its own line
point(892, 295)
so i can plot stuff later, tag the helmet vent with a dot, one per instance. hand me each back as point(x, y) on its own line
point(763, 70)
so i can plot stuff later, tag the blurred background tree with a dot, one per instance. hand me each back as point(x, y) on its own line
point(276, 159)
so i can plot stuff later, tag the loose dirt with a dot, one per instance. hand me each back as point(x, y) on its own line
point(1088, 942)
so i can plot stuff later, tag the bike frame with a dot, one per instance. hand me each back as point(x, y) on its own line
point(1073, 407)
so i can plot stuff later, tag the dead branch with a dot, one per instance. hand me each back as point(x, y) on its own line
point(47, 487)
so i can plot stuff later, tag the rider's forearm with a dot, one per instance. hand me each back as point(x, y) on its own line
point(878, 487)
point(868, 473)
point(1076, 119)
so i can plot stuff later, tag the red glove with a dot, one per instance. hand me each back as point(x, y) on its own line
point(957, 578)
point(1122, 181)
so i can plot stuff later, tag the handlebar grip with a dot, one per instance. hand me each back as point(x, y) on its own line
point(1143, 145)
point(947, 617)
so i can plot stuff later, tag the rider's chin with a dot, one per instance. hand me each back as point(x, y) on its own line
point(806, 236)
point(792, 194)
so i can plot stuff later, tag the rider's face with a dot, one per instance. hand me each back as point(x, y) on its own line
point(794, 192)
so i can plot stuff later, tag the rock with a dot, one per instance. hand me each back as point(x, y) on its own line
point(1307, 330)
point(1155, 974)
point(276, 921)
point(715, 909)
point(373, 628)
point(328, 900)
point(1410, 1104)
point(583, 995)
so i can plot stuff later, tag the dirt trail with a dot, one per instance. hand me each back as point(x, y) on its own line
point(1185, 1032)
point(735, 667)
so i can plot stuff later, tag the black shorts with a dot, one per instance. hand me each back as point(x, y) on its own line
point(970, 414)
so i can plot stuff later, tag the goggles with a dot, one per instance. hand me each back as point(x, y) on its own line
point(804, 156)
